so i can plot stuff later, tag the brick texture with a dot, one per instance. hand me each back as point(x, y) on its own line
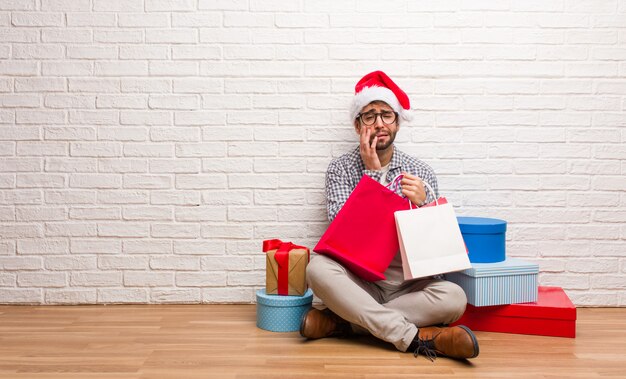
point(147, 147)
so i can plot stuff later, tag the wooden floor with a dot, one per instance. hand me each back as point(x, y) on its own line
point(222, 341)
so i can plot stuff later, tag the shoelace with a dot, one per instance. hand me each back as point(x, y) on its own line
point(426, 348)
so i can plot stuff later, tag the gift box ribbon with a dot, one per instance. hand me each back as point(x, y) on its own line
point(282, 259)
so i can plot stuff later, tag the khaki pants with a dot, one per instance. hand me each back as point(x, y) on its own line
point(390, 312)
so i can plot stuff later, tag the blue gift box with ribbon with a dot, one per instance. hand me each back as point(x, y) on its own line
point(281, 313)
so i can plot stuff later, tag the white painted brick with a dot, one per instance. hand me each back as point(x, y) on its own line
point(18, 35)
point(170, 5)
point(143, 20)
point(144, 52)
point(7, 280)
point(175, 230)
point(69, 35)
point(95, 149)
point(148, 85)
point(147, 181)
point(289, 36)
point(39, 51)
point(22, 197)
point(15, 5)
point(122, 262)
point(39, 246)
point(121, 68)
point(264, 165)
point(37, 19)
point(176, 35)
point(168, 134)
point(20, 164)
point(256, 214)
point(69, 296)
point(201, 181)
point(73, 165)
point(181, 102)
point(225, 35)
point(19, 133)
point(186, 247)
point(192, 296)
point(122, 296)
point(72, 197)
point(178, 197)
point(118, 5)
point(125, 229)
point(41, 279)
point(40, 84)
point(175, 263)
point(39, 117)
point(82, 263)
point(95, 213)
point(7, 214)
point(610, 151)
point(70, 229)
point(197, 19)
point(148, 279)
point(107, 133)
point(227, 294)
point(94, 85)
point(246, 278)
point(610, 216)
point(609, 183)
point(91, 19)
point(230, 197)
point(122, 165)
point(147, 213)
point(148, 150)
point(230, 231)
point(94, 117)
point(198, 85)
point(147, 247)
point(145, 118)
point(204, 279)
point(253, 149)
point(199, 118)
point(179, 166)
point(67, 68)
point(20, 263)
point(40, 214)
point(20, 296)
point(118, 36)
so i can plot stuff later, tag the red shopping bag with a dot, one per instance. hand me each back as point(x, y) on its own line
point(363, 234)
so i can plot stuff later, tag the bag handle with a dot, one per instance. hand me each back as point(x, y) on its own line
point(396, 182)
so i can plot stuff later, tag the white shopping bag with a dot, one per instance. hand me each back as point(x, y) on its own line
point(430, 240)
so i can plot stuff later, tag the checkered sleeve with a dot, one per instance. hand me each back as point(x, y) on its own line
point(338, 188)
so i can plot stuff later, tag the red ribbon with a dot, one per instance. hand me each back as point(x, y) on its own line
point(282, 259)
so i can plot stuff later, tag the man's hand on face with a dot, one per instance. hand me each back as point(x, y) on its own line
point(368, 148)
point(413, 188)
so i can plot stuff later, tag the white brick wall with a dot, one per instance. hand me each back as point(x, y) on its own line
point(147, 147)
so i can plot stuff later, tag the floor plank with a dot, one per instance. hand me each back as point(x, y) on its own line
point(222, 341)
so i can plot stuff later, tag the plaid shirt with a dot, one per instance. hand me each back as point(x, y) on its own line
point(344, 173)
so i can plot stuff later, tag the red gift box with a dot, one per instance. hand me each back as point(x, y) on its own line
point(552, 315)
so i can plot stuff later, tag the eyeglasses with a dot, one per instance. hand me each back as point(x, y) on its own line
point(369, 118)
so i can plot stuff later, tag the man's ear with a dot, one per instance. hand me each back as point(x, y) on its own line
point(357, 126)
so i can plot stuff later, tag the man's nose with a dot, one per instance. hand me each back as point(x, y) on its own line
point(379, 121)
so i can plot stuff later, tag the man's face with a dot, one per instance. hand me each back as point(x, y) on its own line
point(386, 133)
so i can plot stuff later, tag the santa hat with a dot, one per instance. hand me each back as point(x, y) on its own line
point(378, 86)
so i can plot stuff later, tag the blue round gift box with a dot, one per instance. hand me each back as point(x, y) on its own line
point(279, 313)
point(484, 238)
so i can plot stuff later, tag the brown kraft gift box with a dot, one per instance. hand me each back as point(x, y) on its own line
point(285, 272)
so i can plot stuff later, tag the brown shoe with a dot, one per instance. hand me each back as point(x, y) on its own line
point(454, 342)
point(320, 324)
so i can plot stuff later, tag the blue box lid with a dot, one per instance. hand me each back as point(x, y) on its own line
point(510, 266)
point(481, 225)
point(283, 301)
